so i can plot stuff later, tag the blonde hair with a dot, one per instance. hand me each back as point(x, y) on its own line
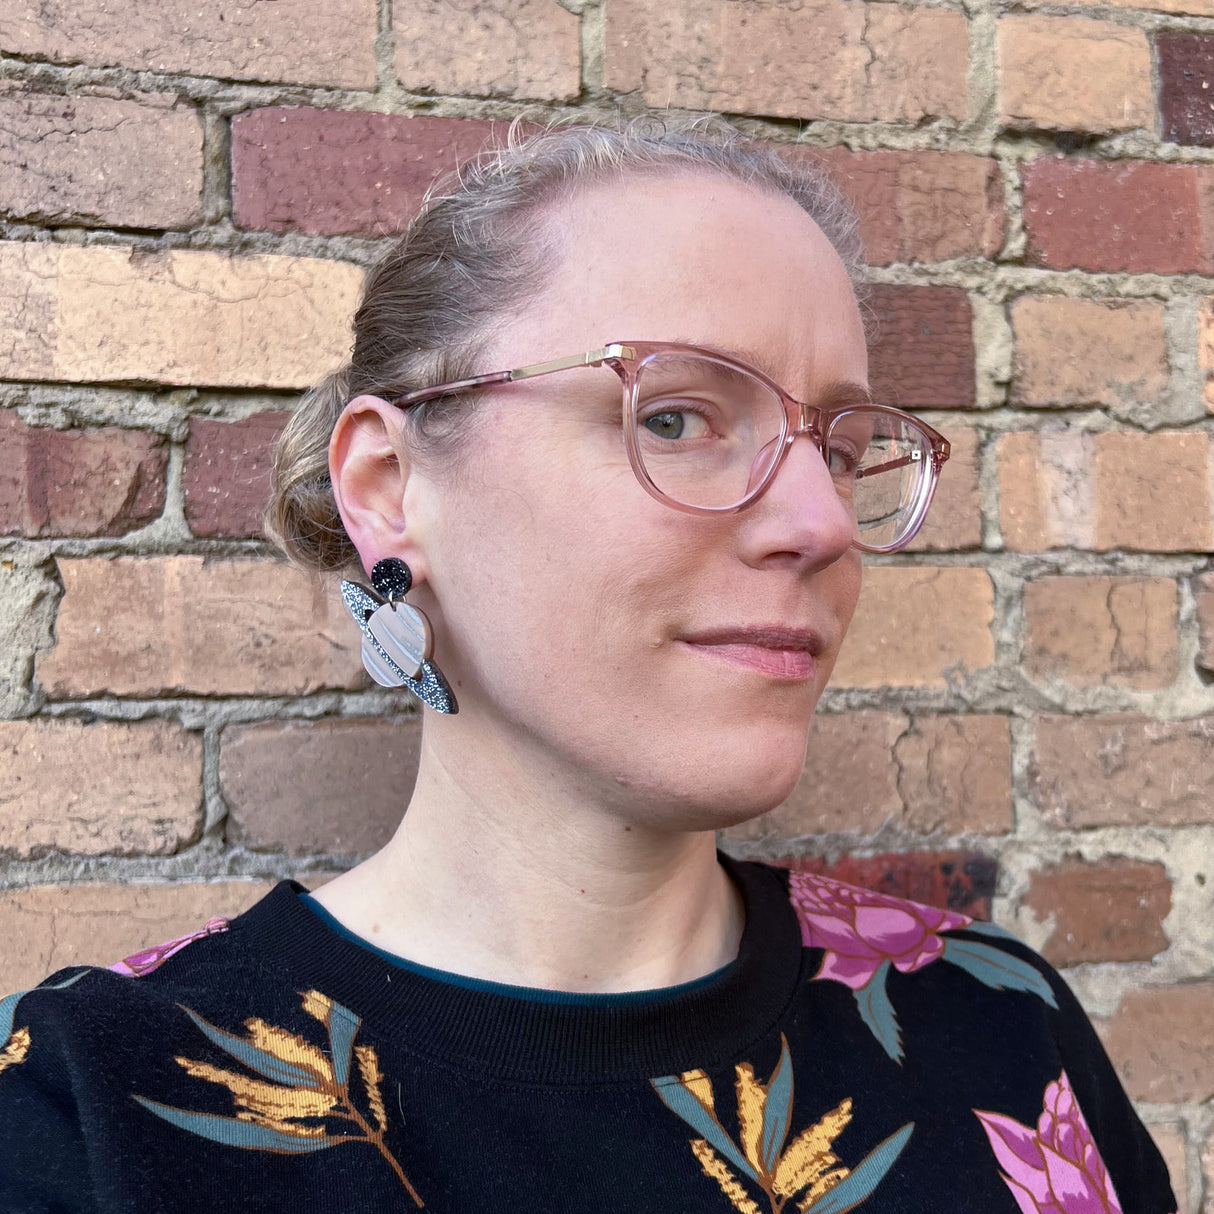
point(477, 247)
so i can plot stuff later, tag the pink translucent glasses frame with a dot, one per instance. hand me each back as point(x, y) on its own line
point(926, 451)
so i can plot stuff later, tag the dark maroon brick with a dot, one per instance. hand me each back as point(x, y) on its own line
point(953, 880)
point(334, 172)
point(922, 352)
point(227, 473)
point(1186, 87)
point(78, 482)
point(1118, 215)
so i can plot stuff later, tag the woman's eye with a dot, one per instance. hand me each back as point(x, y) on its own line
point(841, 460)
point(675, 424)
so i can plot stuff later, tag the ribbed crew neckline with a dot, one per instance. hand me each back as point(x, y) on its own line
point(514, 1034)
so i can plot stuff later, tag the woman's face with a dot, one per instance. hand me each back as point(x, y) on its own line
point(664, 664)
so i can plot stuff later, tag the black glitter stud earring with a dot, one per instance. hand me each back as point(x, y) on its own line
point(397, 638)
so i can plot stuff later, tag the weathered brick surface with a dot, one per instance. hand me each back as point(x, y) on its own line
point(226, 480)
point(919, 206)
point(1122, 770)
point(78, 482)
point(1102, 631)
point(1205, 350)
point(1070, 73)
point(855, 61)
point(177, 317)
point(1186, 78)
point(328, 42)
point(329, 172)
point(922, 352)
point(1109, 910)
point(1118, 215)
point(104, 788)
point(1072, 489)
point(955, 774)
point(146, 626)
point(1203, 592)
point(318, 786)
point(955, 518)
point(47, 927)
point(954, 880)
point(915, 624)
point(494, 48)
point(1162, 1041)
point(1088, 352)
point(95, 160)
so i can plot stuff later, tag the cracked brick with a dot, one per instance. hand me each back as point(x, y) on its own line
point(78, 482)
point(226, 480)
point(99, 161)
point(183, 624)
point(855, 62)
point(106, 788)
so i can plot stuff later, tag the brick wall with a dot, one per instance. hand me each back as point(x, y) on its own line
point(1022, 722)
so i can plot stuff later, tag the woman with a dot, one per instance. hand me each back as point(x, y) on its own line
point(606, 426)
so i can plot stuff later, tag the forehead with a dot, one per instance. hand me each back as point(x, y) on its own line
point(694, 257)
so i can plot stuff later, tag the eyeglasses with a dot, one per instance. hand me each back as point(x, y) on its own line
point(706, 434)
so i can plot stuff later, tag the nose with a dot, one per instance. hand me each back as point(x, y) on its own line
point(800, 518)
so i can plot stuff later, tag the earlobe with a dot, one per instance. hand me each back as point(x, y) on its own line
point(368, 467)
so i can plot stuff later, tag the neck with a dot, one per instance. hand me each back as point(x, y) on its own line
point(488, 878)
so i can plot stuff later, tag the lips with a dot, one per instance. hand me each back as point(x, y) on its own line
point(774, 650)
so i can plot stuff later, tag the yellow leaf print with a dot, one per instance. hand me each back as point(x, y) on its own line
point(804, 1171)
point(368, 1067)
point(290, 1048)
point(715, 1167)
point(16, 1050)
point(268, 1102)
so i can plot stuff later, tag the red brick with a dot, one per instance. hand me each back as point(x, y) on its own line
point(1203, 592)
point(47, 927)
point(955, 518)
point(150, 626)
point(922, 353)
point(107, 314)
point(1075, 489)
point(1186, 78)
point(1122, 771)
point(325, 42)
point(1169, 1137)
point(490, 48)
point(106, 788)
point(952, 880)
point(331, 172)
point(307, 787)
point(1162, 1042)
point(78, 482)
point(853, 61)
point(1099, 352)
point(94, 160)
point(916, 623)
point(919, 206)
point(227, 473)
point(1102, 631)
point(1118, 215)
point(1109, 910)
point(1073, 74)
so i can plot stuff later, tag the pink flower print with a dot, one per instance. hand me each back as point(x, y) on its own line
point(149, 959)
point(860, 929)
point(1056, 1168)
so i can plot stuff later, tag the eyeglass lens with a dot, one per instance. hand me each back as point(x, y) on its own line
point(708, 433)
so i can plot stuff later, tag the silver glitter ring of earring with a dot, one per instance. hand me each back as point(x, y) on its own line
point(397, 638)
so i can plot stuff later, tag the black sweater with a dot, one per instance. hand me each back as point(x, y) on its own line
point(861, 1052)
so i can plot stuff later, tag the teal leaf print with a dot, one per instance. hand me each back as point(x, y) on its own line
point(982, 928)
point(261, 1061)
point(681, 1102)
point(8, 1005)
point(878, 1013)
point(865, 1176)
point(343, 1025)
point(777, 1110)
point(997, 969)
point(229, 1132)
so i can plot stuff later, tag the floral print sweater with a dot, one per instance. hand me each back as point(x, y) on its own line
point(861, 1053)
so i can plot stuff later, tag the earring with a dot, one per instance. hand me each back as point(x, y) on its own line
point(397, 638)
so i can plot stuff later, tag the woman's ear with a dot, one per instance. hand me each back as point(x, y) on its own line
point(368, 467)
